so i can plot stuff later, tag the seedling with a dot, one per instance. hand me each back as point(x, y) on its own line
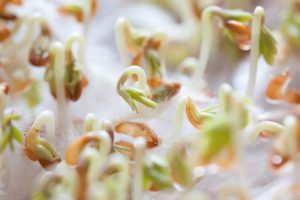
point(38, 148)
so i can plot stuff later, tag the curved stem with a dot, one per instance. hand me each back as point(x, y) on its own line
point(142, 79)
point(137, 189)
point(46, 118)
point(76, 38)
point(273, 127)
point(207, 42)
point(36, 19)
point(255, 52)
point(122, 29)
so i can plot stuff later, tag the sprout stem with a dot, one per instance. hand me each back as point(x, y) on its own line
point(180, 113)
point(90, 123)
point(76, 38)
point(123, 28)
point(142, 79)
point(273, 127)
point(57, 51)
point(87, 14)
point(255, 52)
point(137, 189)
point(206, 45)
point(36, 19)
point(290, 123)
point(118, 161)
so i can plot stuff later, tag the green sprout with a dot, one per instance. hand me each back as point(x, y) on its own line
point(139, 92)
point(10, 132)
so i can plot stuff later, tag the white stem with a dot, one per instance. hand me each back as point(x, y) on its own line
point(121, 28)
point(163, 38)
point(254, 131)
point(76, 38)
point(119, 161)
point(87, 15)
point(57, 51)
point(206, 44)
point(255, 53)
point(180, 112)
point(105, 146)
point(47, 119)
point(36, 19)
point(290, 123)
point(90, 123)
point(137, 189)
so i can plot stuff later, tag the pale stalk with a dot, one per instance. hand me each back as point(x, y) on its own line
point(238, 144)
point(47, 119)
point(180, 113)
point(76, 38)
point(87, 15)
point(118, 161)
point(290, 123)
point(137, 187)
point(255, 50)
point(36, 19)
point(57, 51)
point(122, 27)
point(206, 44)
point(90, 123)
point(100, 157)
point(254, 131)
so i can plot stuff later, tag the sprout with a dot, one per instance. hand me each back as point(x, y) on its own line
point(75, 81)
point(138, 92)
point(262, 43)
point(118, 182)
point(55, 73)
point(156, 174)
point(135, 130)
point(83, 13)
point(277, 89)
point(195, 116)
point(100, 138)
point(228, 17)
point(37, 148)
point(181, 169)
point(146, 49)
point(286, 147)
point(137, 185)
point(39, 52)
point(217, 138)
point(265, 126)
point(80, 12)
point(10, 132)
